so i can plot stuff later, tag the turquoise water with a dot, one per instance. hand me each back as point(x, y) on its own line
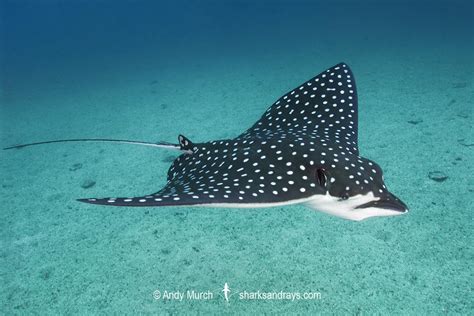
point(208, 70)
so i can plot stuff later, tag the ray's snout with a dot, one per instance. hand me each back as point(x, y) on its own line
point(388, 202)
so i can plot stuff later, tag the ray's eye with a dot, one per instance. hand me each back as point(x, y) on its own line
point(321, 177)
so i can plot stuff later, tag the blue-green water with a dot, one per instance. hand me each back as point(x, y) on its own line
point(151, 70)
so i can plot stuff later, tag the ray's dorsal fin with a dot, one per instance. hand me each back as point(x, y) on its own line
point(185, 144)
point(105, 140)
point(324, 106)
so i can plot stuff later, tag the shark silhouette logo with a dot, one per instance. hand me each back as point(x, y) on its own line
point(226, 291)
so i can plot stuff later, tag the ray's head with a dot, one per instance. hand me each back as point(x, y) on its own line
point(355, 189)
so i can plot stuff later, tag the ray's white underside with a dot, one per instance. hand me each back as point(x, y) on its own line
point(325, 203)
point(348, 208)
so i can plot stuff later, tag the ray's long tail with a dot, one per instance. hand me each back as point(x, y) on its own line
point(107, 140)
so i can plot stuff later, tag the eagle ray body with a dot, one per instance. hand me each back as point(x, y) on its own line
point(302, 150)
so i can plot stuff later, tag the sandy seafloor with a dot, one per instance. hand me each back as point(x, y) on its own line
point(59, 256)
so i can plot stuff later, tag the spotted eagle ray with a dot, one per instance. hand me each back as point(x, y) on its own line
point(303, 150)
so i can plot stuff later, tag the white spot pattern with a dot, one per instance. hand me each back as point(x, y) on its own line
point(277, 159)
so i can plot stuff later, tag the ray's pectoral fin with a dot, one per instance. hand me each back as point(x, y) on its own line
point(144, 201)
point(173, 194)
